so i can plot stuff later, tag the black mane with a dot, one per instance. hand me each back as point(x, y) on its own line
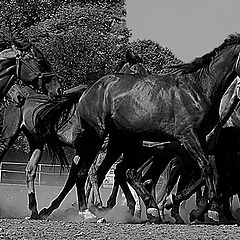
point(206, 59)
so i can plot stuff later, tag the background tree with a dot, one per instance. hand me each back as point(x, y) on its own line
point(155, 57)
point(83, 39)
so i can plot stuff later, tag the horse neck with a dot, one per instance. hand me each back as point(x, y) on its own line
point(217, 78)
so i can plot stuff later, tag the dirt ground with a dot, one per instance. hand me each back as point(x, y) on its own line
point(65, 223)
point(32, 229)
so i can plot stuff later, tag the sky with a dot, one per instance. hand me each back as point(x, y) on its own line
point(190, 28)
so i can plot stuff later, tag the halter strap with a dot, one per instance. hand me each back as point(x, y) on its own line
point(40, 75)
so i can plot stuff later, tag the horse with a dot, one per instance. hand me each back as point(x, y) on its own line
point(224, 146)
point(225, 160)
point(25, 62)
point(181, 105)
point(22, 117)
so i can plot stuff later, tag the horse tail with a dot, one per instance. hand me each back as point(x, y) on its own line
point(56, 152)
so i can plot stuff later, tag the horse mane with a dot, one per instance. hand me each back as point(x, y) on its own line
point(51, 117)
point(7, 61)
point(205, 60)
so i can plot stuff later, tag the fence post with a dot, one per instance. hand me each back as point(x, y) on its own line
point(39, 173)
point(1, 172)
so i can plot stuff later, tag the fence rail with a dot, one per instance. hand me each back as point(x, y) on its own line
point(47, 174)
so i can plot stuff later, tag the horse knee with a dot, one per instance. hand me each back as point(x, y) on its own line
point(30, 172)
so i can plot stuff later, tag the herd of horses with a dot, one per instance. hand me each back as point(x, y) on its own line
point(188, 114)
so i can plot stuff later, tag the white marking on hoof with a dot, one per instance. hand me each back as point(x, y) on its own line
point(213, 215)
point(153, 212)
point(76, 159)
point(27, 218)
point(102, 220)
point(86, 214)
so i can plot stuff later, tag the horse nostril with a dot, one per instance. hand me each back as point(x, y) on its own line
point(59, 91)
point(20, 99)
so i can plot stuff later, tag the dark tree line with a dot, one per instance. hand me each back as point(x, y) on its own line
point(82, 39)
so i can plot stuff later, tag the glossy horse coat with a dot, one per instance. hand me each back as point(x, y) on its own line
point(182, 105)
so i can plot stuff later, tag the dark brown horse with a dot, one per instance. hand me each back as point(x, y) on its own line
point(21, 115)
point(24, 62)
point(179, 106)
point(224, 147)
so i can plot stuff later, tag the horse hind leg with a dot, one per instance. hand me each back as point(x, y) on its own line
point(193, 146)
point(114, 151)
point(87, 147)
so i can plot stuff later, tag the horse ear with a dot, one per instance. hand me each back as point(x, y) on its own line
point(129, 56)
point(21, 45)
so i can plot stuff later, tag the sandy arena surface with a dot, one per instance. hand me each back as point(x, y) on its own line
point(33, 229)
point(65, 223)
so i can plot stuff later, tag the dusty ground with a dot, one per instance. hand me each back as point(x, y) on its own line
point(24, 229)
point(65, 223)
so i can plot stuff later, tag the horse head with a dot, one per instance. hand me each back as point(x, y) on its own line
point(33, 69)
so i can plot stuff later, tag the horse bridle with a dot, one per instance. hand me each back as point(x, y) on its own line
point(40, 75)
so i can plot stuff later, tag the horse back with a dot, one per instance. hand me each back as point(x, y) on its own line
point(142, 104)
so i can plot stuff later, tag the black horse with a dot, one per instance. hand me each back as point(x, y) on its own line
point(178, 106)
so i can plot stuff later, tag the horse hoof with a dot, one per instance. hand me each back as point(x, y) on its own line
point(101, 220)
point(98, 211)
point(87, 214)
point(110, 205)
point(34, 216)
point(193, 215)
point(153, 215)
point(213, 215)
point(169, 202)
point(178, 220)
point(43, 214)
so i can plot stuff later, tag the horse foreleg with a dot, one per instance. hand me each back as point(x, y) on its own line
point(170, 178)
point(31, 170)
point(227, 213)
point(151, 206)
point(111, 202)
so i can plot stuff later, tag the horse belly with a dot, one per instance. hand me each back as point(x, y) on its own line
point(147, 122)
